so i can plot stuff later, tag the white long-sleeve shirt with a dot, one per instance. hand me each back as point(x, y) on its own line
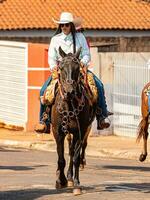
point(66, 43)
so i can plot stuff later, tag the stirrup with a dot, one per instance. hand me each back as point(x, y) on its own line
point(109, 113)
point(101, 124)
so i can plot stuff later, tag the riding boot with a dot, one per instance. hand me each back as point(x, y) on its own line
point(101, 123)
point(44, 125)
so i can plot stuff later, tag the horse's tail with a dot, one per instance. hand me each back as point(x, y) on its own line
point(141, 128)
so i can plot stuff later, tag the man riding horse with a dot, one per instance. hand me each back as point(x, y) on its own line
point(69, 40)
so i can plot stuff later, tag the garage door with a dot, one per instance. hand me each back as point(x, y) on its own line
point(13, 82)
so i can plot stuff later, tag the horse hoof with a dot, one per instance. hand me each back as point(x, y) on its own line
point(82, 166)
point(142, 157)
point(70, 184)
point(84, 161)
point(59, 186)
point(77, 191)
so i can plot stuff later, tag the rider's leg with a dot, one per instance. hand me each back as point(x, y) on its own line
point(102, 106)
point(42, 105)
point(44, 122)
point(101, 97)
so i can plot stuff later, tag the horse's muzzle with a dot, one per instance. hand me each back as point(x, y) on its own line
point(69, 91)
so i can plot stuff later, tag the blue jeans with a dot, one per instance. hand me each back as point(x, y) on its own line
point(101, 96)
point(43, 107)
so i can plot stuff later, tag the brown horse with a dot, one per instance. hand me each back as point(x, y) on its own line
point(144, 123)
point(72, 113)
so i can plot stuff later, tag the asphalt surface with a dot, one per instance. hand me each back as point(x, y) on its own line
point(30, 174)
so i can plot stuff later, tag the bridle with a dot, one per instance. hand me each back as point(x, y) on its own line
point(68, 81)
point(77, 102)
point(67, 114)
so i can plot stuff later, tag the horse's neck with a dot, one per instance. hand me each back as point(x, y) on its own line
point(76, 99)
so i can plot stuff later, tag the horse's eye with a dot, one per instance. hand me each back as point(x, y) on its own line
point(75, 60)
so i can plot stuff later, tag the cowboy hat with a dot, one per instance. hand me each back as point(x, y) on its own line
point(67, 17)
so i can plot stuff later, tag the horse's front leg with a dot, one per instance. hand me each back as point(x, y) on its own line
point(61, 179)
point(70, 168)
point(76, 162)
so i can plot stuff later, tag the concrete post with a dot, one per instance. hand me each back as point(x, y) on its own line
point(95, 61)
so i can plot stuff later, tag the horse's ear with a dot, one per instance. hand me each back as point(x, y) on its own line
point(78, 52)
point(61, 52)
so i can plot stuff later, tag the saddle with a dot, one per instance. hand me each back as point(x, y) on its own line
point(147, 93)
point(91, 91)
point(49, 94)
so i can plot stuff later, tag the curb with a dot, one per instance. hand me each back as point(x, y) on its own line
point(51, 147)
point(44, 146)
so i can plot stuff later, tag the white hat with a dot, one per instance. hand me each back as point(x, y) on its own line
point(65, 18)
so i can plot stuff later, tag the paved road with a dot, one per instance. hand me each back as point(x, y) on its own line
point(28, 175)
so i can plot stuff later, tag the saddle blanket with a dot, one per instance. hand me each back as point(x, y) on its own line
point(92, 92)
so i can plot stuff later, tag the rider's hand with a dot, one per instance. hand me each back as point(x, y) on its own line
point(84, 69)
point(54, 73)
point(42, 100)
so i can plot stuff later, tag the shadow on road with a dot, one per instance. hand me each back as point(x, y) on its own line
point(20, 168)
point(126, 187)
point(121, 167)
point(123, 187)
point(30, 194)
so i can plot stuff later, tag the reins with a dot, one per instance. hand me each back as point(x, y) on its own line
point(77, 148)
point(77, 102)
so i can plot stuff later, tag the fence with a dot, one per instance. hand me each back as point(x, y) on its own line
point(129, 73)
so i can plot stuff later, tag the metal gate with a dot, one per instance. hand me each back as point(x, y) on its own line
point(131, 73)
point(124, 76)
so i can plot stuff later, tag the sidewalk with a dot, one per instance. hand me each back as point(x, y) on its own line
point(101, 146)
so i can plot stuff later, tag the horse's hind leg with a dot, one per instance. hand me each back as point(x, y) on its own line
point(143, 131)
point(84, 145)
point(82, 157)
point(145, 136)
point(61, 179)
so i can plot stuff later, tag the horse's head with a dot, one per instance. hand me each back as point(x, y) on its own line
point(69, 72)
